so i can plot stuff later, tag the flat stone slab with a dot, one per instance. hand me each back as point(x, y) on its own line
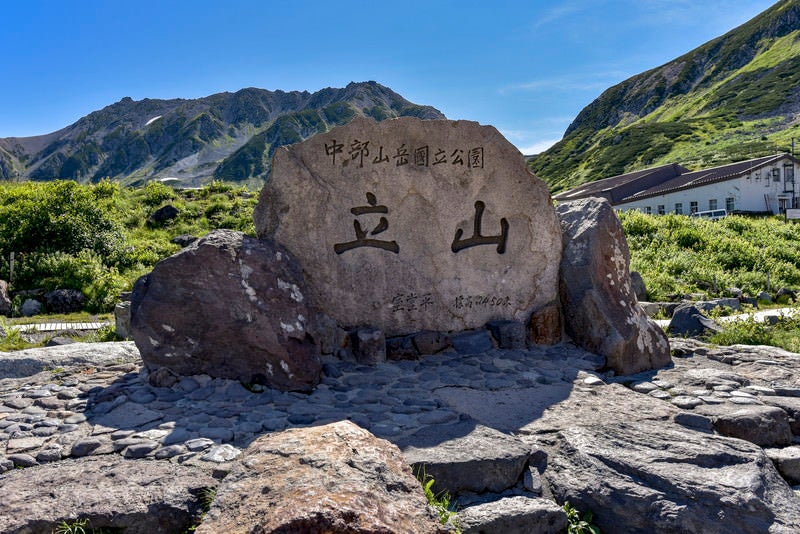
point(467, 457)
point(653, 476)
point(32, 361)
point(128, 415)
point(514, 515)
point(411, 225)
point(766, 426)
point(507, 409)
point(140, 497)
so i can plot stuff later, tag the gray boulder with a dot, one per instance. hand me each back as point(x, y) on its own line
point(368, 345)
point(787, 462)
point(59, 340)
point(183, 240)
point(5, 299)
point(652, 476)
point(730, 303)
point(229, 306)
point(688, 321)
point(139, 497)
point(122, 319)
point(31, 307)
point(64, 301)
point(638, 287)
point(785, 296)
point(331, 478)
point(600, 310)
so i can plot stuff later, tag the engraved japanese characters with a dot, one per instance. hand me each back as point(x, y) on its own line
point(410, 225)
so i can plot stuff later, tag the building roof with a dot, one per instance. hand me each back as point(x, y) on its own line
point(656, 181)
point(707, 176)
point(615, 188)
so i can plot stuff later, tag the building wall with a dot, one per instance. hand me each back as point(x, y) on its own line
point(747, 191)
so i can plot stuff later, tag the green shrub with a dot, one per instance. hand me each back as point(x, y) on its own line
point(156, 193)
point(690, 238)
point(59, 216)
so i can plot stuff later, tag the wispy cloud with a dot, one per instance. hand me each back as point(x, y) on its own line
point(596, 82)
point(534, 141)
point(537, 147)
point(556, 13)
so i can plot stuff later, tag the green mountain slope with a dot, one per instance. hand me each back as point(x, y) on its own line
point(733, 98)
point(226, 136)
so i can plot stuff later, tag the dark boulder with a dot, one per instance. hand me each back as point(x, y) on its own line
point(230, 306)
point(64, 301)
point(183, 240)
point(688, 321)
point(163, 214)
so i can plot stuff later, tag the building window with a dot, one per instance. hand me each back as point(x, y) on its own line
point(661, 210)
point(647, 210)
point(788, 173)
point(679, 208)
point(730, 204)
point(776, 175)
point(712, 204)
point(758, 175)
point(693, 206)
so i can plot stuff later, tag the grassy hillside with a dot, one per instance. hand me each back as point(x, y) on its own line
point(733, 98)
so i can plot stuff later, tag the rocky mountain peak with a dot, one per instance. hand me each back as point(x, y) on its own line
point(227, 136)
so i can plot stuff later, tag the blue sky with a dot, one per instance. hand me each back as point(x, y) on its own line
point(525, 67)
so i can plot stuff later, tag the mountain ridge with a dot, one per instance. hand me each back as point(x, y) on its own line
point(226, 136)
point(732, 98)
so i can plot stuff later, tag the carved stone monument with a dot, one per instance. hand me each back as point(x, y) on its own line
point(411, 225)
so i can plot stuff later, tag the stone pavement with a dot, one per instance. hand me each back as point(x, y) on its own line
point(95, 408)
point(498, 428)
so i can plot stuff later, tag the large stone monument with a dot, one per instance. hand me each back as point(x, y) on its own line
point(410, 225)
point(406, 230)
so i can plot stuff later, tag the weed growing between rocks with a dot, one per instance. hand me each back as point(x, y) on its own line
point(440, 502)
point(205, 496)
point(11, 338)
point(75, 527)
point(83, 526)
point(578, 524)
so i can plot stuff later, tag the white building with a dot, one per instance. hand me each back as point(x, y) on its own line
point(762, 185)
